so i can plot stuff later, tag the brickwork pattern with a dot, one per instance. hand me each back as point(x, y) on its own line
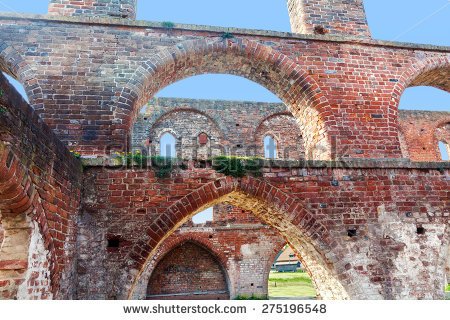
point(2, 232)
point(187, 270)
point(39, 182)
point(243, 244)
point(238, 123)
point(233, 128)
point(421, 132)
point(328, 17)
point(123, 9)
point(366, 229)
point(312, 207)
point(339, 91)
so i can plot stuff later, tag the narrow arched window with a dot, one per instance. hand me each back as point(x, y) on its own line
point(270, 148)
point(444, 151)
point(167, 145)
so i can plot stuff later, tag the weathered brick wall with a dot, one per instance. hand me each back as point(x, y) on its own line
point(225, 214)
point(40, 193)
point(233, 127)
point(2, 232)
point(243, 245)
point(328, 17)
point(314, 207)
point(344, 94)
point(422, 131)
point(232, 123)
point(186, 271)
point(124, 9)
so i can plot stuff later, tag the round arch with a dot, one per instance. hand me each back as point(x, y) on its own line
point(12, 63)
point(307, 236)
point(241, 57)
point(434, 72)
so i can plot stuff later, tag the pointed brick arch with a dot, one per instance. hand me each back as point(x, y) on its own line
point(172, 243)
point(246, 58)
point(307, 235)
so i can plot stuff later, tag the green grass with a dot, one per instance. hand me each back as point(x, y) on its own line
point(290, 284)
point(447, 288)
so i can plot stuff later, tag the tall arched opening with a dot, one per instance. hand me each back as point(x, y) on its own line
point(245, 58)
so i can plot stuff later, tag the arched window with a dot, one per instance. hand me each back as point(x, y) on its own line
point(444, 151)
point(167, 145)
point(270, 149)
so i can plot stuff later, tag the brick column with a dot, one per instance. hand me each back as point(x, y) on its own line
point(124, 9)
point(335, 17)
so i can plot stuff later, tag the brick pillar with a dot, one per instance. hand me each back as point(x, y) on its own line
point(125, 9)
point(335, 17)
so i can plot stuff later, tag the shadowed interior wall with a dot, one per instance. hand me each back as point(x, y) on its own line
point(188, 272)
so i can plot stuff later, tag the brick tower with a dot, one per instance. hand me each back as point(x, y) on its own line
point(334, 17)
point(124, 9)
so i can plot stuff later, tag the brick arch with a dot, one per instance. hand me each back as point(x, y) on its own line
point(173, 243)
point(285, 135)
point(309, 238)
point(434, 72)
point(242, 57)
point(441, 134)
point(163, 116)
point(22, 216)
point(12, 63)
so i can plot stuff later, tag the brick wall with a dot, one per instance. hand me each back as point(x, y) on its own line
point(421, 132)
point(188, 270)
point(328, 17)
point(2, 232)
point(40, 193)
point(243, 245)
point(344, 94)
point(124, 9)
point(314, 207)
point(232, 127)
point(232, 123)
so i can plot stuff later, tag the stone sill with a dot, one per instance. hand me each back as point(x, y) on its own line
point(291, 164)
point(220, 30)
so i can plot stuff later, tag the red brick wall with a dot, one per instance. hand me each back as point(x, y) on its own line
point(343, 94)
point(312, 207)
point(124, 9)
point(186, 270)
point(39, 196)
point(283, 128)
point(224, 214)
point(422, 131)
point(233, 128)
point(1, 233)
point(328, 17)
point(243, 244)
